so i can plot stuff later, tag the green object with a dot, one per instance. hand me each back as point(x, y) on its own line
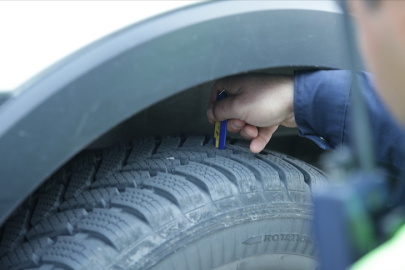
point(360, 226)
point(390, 255)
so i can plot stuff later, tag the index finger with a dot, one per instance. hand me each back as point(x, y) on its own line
point(218, 87)
point(227, 83)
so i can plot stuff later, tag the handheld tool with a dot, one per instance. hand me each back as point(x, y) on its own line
point(220, 126)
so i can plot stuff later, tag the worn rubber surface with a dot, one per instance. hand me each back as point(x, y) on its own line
point(168, 203)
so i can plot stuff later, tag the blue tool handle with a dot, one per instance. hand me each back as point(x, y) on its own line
point(219, 140)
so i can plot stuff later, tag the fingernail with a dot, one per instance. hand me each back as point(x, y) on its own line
point(210, 114)
point(235, 125)
point(247, 134)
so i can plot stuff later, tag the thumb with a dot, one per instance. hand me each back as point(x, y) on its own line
point(224, 109)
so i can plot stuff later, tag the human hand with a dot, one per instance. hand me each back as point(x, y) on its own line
point(256, 105)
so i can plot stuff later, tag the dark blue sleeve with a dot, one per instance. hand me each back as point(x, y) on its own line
point(322, 102)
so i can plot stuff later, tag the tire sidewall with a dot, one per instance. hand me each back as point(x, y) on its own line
point(279, 234)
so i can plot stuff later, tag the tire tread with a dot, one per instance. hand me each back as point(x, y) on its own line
point(100, 206)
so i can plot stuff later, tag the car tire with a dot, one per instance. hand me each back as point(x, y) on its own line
point(168, 203)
